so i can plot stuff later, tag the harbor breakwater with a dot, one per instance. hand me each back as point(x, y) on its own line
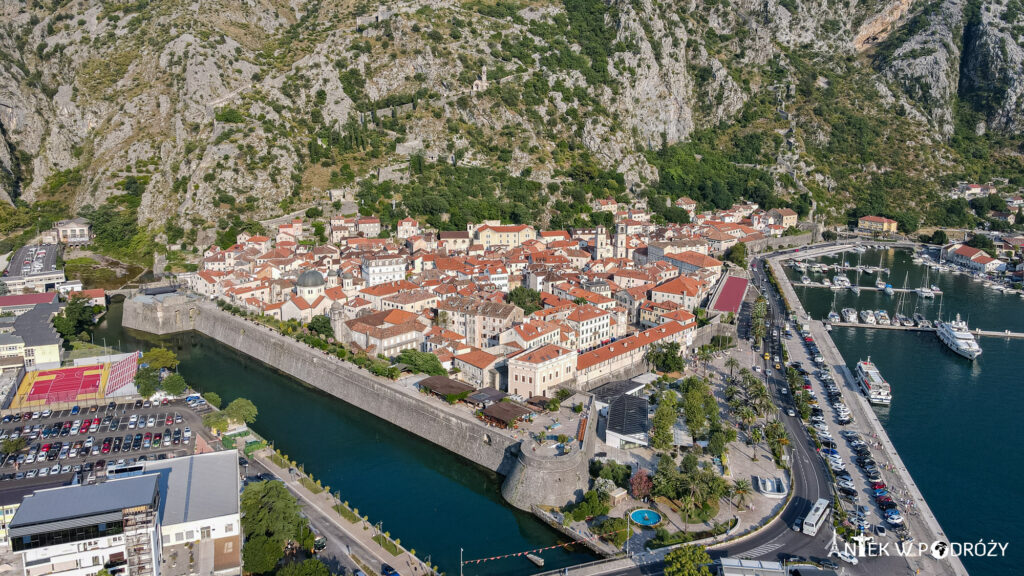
point(529, 479)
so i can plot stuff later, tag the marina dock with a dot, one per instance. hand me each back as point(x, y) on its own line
point(985, 333)
point(925, 527)
point(868, 288)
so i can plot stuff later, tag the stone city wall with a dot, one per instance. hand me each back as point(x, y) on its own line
point(545, 481)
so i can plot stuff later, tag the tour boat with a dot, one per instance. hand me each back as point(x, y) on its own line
point(875, 388)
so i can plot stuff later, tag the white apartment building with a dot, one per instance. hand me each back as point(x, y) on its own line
point(383, 269)
point(537, 371)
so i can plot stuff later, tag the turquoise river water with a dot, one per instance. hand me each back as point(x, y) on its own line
point(434, 501)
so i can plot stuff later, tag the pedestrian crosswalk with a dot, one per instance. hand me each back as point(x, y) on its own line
point(759, 551)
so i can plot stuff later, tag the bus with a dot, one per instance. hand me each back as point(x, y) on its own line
point(816, 517)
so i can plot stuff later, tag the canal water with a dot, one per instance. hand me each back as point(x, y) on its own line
point(954, 422)
point(434, 501)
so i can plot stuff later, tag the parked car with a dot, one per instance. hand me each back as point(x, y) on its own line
point(848, 558)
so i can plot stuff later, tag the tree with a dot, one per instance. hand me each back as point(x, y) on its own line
point(665, 357)
point(269, 509)
point(75, 319)
point(147, 381)
point(261, 554)
point(12, 445)
point(732, 364)
point(308, 567)
point(615, 530)
point(939, 237)
point(640, 484)
point(742, 492)
point(829, 236)
point(322, 326)
point(423, 362)
point(213, 399)
point(688, 561)
point(704, 355)
point(664, 419)
point(523, 297)
point(241, 410)
point(160, 358)
point(174, 384)
point(217, 421)
point(738, 254)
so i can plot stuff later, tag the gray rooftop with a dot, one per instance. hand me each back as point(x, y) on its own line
point(84, 500)
point(34, 326)
point(627, 415)
point(612, 390)
point(197, 487)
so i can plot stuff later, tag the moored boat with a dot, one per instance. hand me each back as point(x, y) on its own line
point(958, 338)
point(850, 315)
point(870, 380)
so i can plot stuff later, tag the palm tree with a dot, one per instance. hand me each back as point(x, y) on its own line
point(756, 436)
point(742, 492)
point(746, 415)
point(732, 364)
point(704, 356)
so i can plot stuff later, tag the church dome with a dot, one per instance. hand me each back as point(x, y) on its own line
point(310, 279)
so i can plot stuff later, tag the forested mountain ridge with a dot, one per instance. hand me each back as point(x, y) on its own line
point(170, 122)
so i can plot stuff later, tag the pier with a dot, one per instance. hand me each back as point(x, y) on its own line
point(925, 527)
point(869, 288)
point(978, 332)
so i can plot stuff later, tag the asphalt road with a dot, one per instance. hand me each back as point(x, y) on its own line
point(778, 542)
point(339, 544)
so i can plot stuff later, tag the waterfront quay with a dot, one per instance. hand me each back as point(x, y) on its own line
point(924, 527)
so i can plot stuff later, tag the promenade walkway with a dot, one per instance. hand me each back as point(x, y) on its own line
point(357, 538)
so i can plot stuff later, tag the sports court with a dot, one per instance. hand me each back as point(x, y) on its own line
point(76, 384)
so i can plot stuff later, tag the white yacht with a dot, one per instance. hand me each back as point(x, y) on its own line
point(855, 289)
point(882, 318)
point(871, 382)
point(833, 317)
point(925, 292)
point(889, 290)
point(880, 284)
point(849, 315)
point(959, 339)
point(867, 316)
point(826, 282)
point(921, 320)
point(805, 280)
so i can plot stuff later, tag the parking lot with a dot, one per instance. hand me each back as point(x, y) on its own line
point(62, 444)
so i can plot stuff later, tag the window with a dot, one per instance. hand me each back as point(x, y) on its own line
point(229, 528)
point(204, 532)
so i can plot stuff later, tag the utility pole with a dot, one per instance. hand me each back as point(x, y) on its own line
point(460, 561)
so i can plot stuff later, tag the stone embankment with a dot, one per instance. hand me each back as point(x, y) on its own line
point(530, 479)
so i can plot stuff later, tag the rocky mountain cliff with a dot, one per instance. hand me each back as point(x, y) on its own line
point(240, 110)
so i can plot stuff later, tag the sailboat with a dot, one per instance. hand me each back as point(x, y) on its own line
point(833, 316)
point(899, 318)
point(855, 287)
point(925, 291)
point(880, 283)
